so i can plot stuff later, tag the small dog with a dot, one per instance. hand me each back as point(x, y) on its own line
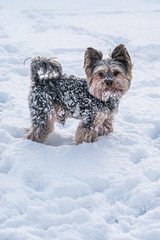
point(55, 97)
point(106, 78)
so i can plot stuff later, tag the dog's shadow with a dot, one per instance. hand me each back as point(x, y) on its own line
point(58, 139)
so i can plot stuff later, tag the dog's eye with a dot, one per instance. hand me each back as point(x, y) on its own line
point(115, 73)
point(101, 74)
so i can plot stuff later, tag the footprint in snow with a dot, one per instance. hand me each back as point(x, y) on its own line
point(14, 131)
point(6, 166)
point(34, 181)
point(152, 175)
point(4, 97)
point(3, 78)
point(137, 155)
point(10, 48)
point(154, 132)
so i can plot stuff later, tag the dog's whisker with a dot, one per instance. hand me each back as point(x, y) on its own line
point(101, 82)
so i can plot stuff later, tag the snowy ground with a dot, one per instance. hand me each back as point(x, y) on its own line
point(108, 190)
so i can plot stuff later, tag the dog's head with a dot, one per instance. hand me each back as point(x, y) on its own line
point(108, 77)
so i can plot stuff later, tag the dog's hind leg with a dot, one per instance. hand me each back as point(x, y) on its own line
point(42, 116)
point(40, 130)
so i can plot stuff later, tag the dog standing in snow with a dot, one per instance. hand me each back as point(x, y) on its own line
point(55, 97)
point(106, 78)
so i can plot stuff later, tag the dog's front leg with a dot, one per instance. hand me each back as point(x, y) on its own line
point(84, 134)
point(86, 131)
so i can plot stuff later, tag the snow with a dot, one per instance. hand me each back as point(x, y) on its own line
point(107, 190)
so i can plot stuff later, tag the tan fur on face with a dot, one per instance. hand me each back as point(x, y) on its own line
point(100, 89)
point(93, 58)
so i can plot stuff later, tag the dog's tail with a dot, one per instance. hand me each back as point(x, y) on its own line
point(45, 68)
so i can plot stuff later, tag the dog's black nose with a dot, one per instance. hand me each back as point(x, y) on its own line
point(109, 83)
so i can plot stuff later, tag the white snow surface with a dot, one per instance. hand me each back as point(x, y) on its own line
point(107, 190)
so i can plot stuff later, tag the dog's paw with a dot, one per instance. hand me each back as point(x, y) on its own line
point(32, 135)
point(29, 135)
point(84, 134)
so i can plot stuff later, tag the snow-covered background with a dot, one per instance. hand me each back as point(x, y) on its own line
point(107, 190)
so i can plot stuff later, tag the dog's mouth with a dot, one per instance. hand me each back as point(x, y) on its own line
point(103, 91)
point(111, 92)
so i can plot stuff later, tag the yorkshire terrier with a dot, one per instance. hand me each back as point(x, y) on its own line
point(110, 77)
point(55, 97)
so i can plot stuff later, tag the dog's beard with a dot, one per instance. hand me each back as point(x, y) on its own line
point(101, 91)
point(107, 94)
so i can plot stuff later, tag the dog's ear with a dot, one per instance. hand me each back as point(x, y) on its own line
point(90, 58)
point(120, 54)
